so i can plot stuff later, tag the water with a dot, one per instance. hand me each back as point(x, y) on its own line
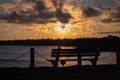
point(10, 52)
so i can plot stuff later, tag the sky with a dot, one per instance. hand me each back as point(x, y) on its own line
point(43, 19)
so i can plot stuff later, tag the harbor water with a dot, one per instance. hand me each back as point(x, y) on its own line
point(19, 56)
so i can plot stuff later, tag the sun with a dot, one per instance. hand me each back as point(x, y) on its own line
point(62, 28)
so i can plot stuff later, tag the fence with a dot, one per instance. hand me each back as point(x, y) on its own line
point(32, 53)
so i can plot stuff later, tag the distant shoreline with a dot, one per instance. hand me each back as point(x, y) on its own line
point(104, 42)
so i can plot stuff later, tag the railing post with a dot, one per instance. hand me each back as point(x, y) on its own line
point(32, 59)
point(118, 58)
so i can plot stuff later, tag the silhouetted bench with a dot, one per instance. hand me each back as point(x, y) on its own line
point(84, 54)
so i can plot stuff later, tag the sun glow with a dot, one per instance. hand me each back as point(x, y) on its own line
point(62, 28)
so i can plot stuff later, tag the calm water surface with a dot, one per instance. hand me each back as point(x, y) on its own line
point(7, 53)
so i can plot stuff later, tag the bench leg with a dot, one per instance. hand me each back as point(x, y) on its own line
point(94, 61)
point(54, 63)
point(57, 58)
point(79, 61)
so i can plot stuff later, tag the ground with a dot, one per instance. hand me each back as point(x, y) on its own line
point(101, 72)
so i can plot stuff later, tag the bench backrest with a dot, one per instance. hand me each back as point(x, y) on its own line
point(74, 52)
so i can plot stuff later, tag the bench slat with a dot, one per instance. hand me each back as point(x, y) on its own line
point(64, 49)
point(69, 59)
point(67, 52)
point(75, 50)
point(73, 55)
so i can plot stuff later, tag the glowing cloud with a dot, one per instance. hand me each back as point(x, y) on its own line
point(49, 18)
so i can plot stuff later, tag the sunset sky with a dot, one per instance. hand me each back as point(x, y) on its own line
point(41, 19)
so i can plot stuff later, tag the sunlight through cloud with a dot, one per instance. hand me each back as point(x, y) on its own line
point(62, 28)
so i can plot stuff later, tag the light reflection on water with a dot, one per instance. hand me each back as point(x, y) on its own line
point(8, 52)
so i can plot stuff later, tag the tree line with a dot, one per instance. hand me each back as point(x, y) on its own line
point(105, 41)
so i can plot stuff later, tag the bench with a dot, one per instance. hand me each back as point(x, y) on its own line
point(81, 54)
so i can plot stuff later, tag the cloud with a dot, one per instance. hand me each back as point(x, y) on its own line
point(14, 17)
point(110, 32)
point(115, 2)
point(34, 11)
point(90, 12)
point(58, 3)
point(62, 17)
point(59, 14)
point(29, 13)
point(46, 15)
point(40, 6)
point(54, 2)
point(109, 20)
point(114, 17)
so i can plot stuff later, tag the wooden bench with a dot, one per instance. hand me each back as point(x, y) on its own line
point(83, 54)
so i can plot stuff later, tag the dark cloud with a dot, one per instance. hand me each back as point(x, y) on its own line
point(62, 17)
point(117, 13)
point(59, 14)
point(40, 6)
point(31, 20)
point(90, 12)
point(24, 12)
point(47, 15)
point(40, 11)
point(114, 17)
point(14, 16)
point(17, 18)
point(54, 2)
point(44, 21)
point(1, 10)
point(24, 17)
point(110, 20)
point(8, 1)
point(110, 32)
point(58, 3)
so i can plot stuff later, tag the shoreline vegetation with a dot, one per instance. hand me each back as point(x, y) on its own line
point(101, 72)
point(105, 41)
